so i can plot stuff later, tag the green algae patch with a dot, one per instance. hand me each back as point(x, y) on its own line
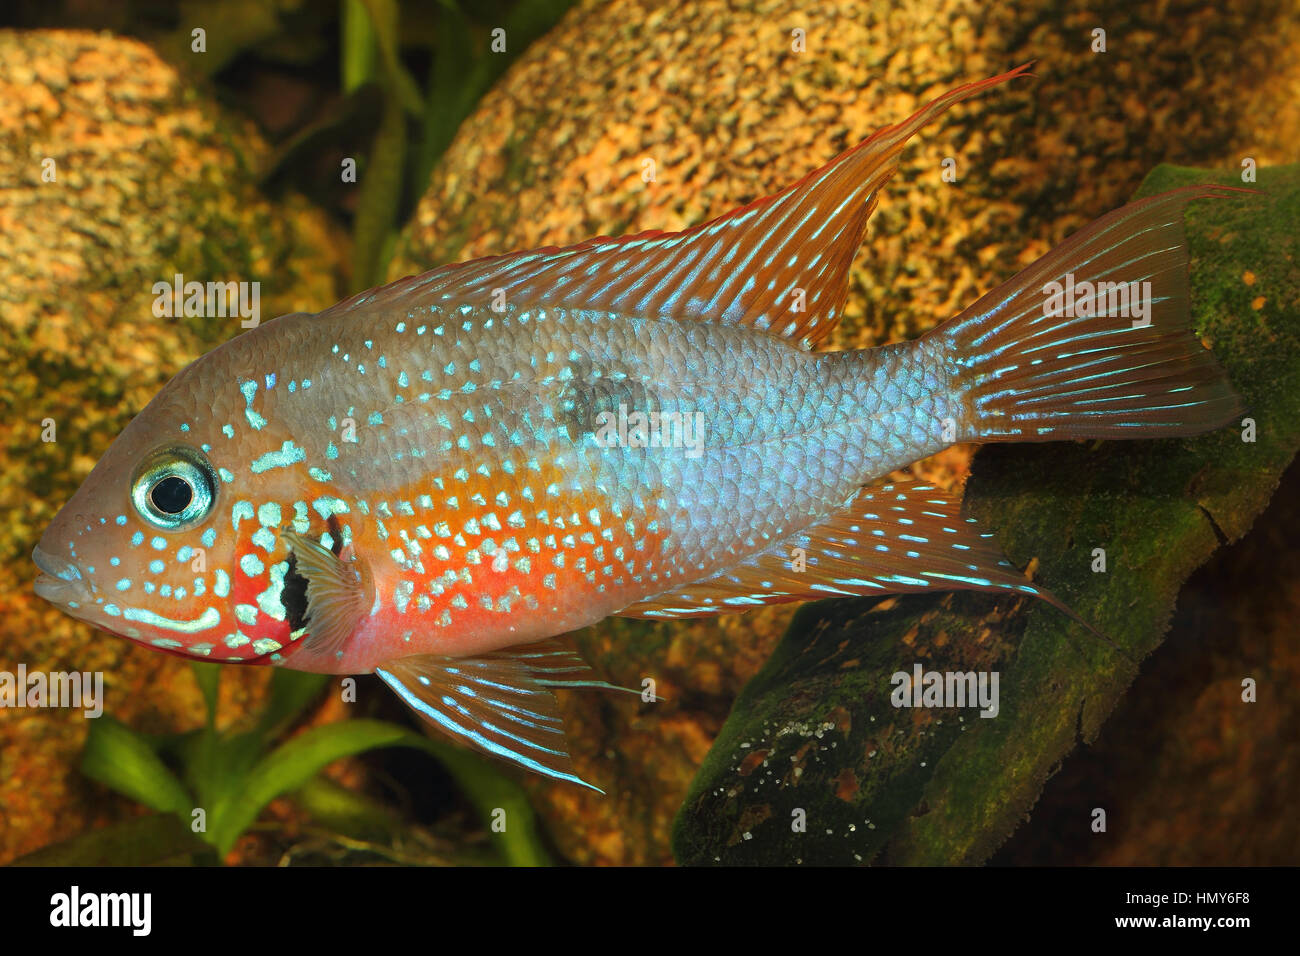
point(816, 764)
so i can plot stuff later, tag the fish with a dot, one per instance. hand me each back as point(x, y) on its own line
point(437, 479)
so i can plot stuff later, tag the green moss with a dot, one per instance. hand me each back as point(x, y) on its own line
point(929, 786)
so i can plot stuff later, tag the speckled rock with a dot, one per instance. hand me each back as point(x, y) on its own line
point(714, 94)
point(148, 181)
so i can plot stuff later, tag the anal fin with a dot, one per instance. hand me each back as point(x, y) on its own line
point(894, 538)
point(501, 704)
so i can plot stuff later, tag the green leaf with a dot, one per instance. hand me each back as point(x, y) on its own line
point(121, 759)
point(218, 766)
point(346, 812)
point(156, 840)
point(453, 91)
point(381, 193)
point(814, 734)
point(208, 677)
point(359, 54)
point(292, 692)
point(493, 793)
point(458, 78)
point(296, 762)
point(385, 19)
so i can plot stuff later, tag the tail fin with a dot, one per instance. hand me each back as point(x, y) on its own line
point(1094, 340)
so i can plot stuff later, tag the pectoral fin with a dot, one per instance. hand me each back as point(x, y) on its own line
point(339, 592)
point(500, 704)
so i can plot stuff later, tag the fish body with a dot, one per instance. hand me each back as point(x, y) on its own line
point(434, 479)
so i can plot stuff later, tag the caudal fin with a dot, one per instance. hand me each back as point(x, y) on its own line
point(1094, 340)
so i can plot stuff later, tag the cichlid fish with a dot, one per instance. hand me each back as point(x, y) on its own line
point(434, 479)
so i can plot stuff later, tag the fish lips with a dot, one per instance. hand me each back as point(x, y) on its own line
point(60, 582)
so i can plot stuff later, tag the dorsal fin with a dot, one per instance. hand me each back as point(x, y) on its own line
point(740, 269)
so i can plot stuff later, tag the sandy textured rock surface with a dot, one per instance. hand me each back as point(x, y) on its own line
point(714, 95)
point(149, 181)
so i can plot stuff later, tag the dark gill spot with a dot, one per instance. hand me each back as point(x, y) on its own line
point(294, 595)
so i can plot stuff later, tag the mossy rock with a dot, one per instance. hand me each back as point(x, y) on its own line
point(815, 738)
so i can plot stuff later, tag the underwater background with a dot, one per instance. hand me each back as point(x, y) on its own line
point(225, 164)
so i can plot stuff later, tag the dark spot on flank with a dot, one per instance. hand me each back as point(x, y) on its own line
point(584, 405)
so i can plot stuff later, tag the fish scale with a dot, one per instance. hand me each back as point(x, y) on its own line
point(758, 430)
point(436, 479)
point(640, 485)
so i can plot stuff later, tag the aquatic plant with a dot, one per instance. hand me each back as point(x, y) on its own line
point(208, 786)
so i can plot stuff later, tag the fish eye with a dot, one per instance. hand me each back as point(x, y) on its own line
point(172, 495)
point(174, 488)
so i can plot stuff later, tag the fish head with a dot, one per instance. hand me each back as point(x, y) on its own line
point(150, 546)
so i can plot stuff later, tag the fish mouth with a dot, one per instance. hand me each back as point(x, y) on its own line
point(60, 582)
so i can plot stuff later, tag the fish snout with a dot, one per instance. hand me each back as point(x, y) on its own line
point(60, 582)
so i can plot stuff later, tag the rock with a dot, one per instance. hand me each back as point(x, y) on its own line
point(714, 94)
point(149, 180)
point(1192, 775)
